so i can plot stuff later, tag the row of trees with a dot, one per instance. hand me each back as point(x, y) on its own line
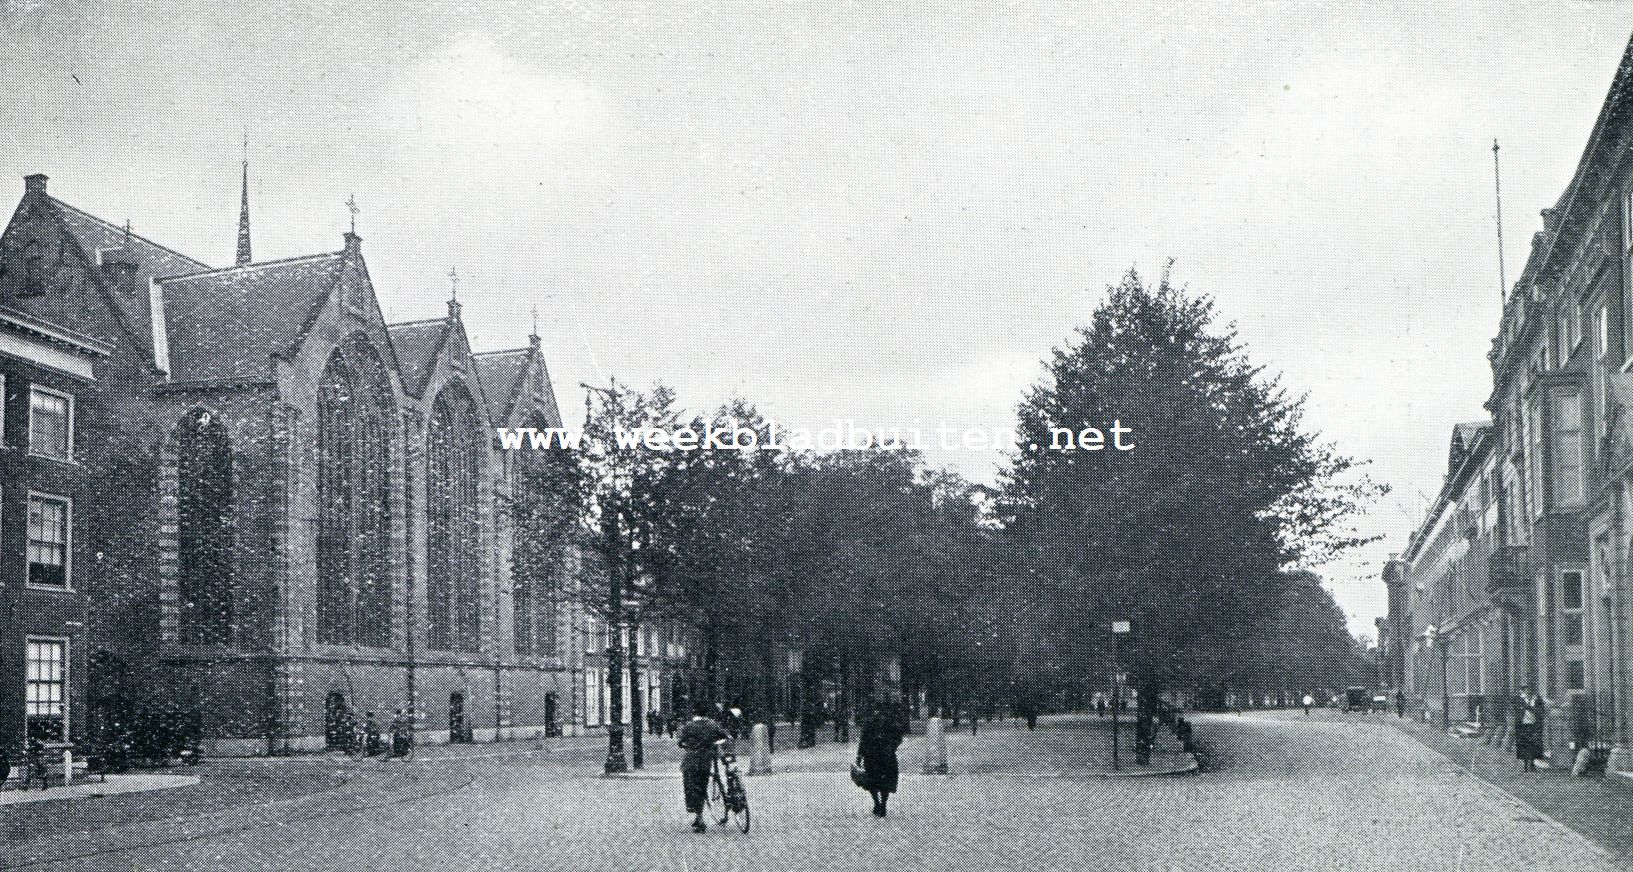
point(986, 596)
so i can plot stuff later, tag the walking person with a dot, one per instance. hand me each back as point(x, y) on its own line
point(1308, 701)
point(883, 727)
point(697, 740)
point(1532, 711)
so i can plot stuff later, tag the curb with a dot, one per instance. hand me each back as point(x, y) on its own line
point(1190, 767)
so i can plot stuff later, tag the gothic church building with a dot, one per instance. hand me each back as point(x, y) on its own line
point(274, 507)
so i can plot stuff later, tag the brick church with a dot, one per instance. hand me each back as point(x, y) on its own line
point(240, 493)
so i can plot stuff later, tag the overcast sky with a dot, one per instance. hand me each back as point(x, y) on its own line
point(844, 211)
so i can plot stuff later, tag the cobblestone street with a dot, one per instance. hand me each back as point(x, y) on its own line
point(1280, 791)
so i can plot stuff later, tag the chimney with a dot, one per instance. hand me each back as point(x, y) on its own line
point(354, 243)
point(35, 184)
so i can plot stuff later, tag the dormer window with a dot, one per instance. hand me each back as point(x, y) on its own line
point(33, 271)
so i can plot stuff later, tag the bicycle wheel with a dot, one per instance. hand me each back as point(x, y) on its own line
point(737, 799)
point(717, 800)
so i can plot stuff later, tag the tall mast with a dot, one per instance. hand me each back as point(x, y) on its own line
point(1502, 271)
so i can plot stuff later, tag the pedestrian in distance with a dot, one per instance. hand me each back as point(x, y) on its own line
point(697, 740)
point(1308, 701)
point(1532, 711)
point(371, 734)
point(883, 727)
point(402, 734)
point(1400, 704)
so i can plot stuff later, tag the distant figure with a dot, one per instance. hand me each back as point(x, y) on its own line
point(402, 734)
point(1400, 704)
point(1532, 711)
point(1100, 706)
point(697, 740)
point(1308, 701)
point(371, 734)
point(883, 727)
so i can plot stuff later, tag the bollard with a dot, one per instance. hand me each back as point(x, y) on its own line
point(1580, 767)
point(1619, 760)
point(67, 767)
point(935, 748)
point(760, 762)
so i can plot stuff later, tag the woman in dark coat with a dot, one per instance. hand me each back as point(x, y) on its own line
point(1530, 710)
point(882, 732)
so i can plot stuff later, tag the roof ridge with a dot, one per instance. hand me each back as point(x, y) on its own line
point(286, 261)
point(122, 230)
point(418, 322)
point(523, 350)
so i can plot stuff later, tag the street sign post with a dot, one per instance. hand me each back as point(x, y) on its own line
point(1120, 631)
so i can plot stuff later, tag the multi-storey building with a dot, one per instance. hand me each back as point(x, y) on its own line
point(1454, 640)
point(51, 426)
point(238, 492)
point(1558, 575)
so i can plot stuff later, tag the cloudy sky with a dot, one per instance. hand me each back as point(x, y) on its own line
point(847, 211)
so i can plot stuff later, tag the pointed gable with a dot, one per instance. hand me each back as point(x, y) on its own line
point(417, 345)
point(79, 264)
point(517, 384)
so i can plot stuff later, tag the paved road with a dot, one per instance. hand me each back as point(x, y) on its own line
point(1283, 792)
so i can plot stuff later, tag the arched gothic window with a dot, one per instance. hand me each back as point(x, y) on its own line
point(355, 427)
point(453, 570)
point(204, 529)
point(537, 505)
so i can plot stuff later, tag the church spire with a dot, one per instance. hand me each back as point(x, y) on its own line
point(243, 211)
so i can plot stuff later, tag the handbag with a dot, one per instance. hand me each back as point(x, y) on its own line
point(859, 773)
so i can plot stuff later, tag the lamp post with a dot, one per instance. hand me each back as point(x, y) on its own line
point(1120, 631)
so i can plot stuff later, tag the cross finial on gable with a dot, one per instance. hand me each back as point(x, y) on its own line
point(351, 206)
point(453, 283)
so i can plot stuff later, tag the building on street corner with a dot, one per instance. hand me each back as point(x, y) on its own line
point(1523, 565)
point(296, 512)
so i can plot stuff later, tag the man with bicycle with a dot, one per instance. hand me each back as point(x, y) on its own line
point(697, 740)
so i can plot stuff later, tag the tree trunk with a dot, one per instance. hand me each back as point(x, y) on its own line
point(636, 703)
point(615, 649)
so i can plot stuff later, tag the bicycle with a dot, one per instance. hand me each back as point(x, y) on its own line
point(726, 791)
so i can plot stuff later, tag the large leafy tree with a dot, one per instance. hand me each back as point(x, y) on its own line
point(1187, 533)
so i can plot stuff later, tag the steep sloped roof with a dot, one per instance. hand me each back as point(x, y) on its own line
point(152, 261)
point(501, 375)
point(225, 325)
point(417, 344)
point(505, 380)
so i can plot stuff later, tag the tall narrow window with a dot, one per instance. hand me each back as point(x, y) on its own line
point(46, 689)
point(454, 568)
point(50, 424)
point(1533, 459)
point(1571, 620)
point(204, 530)
point(1627, 273)
point(1568, 486)
point(335, 492)
point(48, 541)
point(356, 415)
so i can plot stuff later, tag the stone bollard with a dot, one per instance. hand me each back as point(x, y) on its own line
point(67, 767)
point(760, 762)
point(1580, 767)
point(935, 748)
point(1620, 760)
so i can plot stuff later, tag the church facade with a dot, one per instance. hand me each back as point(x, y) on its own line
point(286, 512)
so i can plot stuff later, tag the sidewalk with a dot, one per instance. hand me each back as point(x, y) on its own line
point(1593, 805)
point(116, 784)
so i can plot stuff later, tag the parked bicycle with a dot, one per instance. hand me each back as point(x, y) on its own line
point(727, 797)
